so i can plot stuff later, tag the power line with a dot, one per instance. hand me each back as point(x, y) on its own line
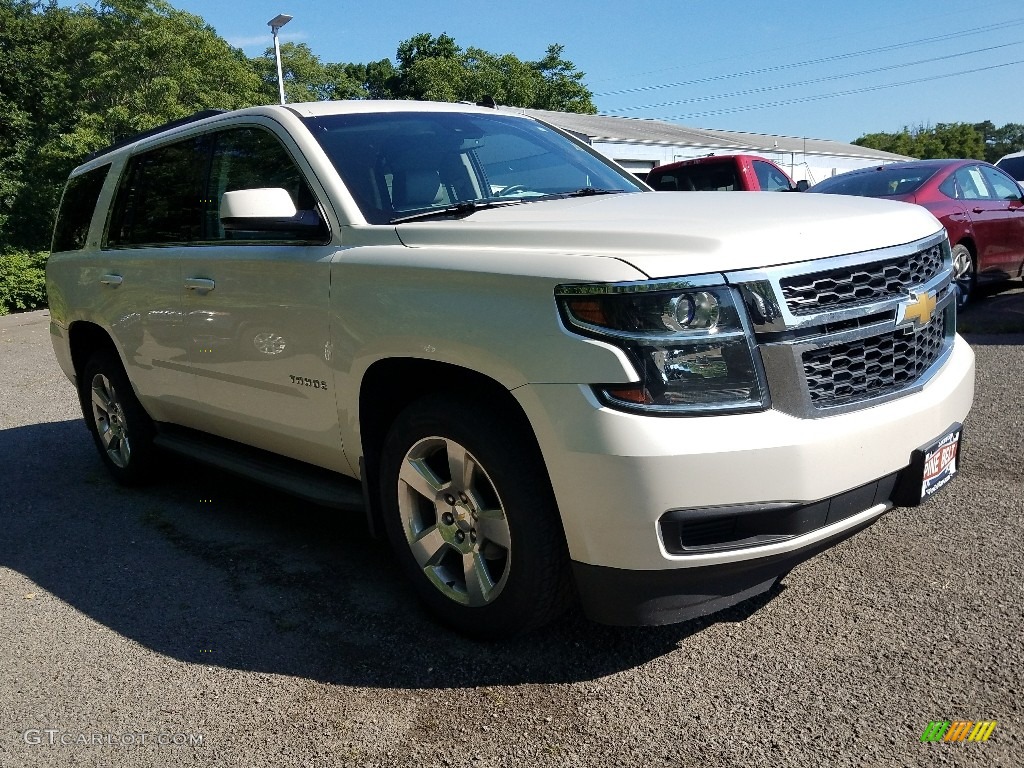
point(821, 97)
point(830, 78)
point(846, 35)
point(823, 60)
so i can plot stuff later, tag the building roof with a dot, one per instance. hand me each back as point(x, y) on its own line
point(632, 130)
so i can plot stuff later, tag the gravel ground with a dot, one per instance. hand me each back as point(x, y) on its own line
point(201, 621)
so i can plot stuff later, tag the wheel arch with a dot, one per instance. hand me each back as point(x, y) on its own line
point(391, 385)
point(85, 338)
point(968, 242)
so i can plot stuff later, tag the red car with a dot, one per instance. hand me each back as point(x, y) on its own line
point(723, 173)
point(981, 207)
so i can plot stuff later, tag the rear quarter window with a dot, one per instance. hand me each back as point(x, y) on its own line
point(76, 209)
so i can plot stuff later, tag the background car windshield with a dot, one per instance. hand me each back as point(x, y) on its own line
point(1013, 166)
point(885, 182)
point(399, 163)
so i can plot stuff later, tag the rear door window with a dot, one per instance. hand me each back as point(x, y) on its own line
point(1003, 186)
point(160, 198)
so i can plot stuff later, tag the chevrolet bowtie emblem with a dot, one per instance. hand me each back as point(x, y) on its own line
point(920, 308)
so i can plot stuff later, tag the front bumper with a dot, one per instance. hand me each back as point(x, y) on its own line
point(615, 475)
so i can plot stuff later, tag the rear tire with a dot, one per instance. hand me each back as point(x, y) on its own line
point(120, 426)
point(469, 510)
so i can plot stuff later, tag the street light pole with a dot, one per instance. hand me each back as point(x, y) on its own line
point(275, 24)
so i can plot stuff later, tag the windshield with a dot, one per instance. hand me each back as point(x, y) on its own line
point(1013, 166)
point(400, 163)
point(883, 182)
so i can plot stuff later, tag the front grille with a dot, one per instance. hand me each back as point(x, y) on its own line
point(873, 367)
point(845, 287)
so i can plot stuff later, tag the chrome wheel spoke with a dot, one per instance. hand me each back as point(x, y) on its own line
point(124, 450)
point(428, 548)
point(101, 398)
point(479, 584)
point(420, 478)
point(493, 527)
point(461, 465)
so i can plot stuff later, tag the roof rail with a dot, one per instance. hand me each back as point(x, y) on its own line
point(154, 131)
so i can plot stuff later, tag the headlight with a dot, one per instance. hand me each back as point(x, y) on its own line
point(688, 340)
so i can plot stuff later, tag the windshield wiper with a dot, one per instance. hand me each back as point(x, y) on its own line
point(588, 191)
point(458, 209)
point(583, 192)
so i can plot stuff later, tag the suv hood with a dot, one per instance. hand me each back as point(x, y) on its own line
point(665, 234)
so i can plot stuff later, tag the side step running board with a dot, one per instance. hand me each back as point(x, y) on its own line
point(315, 484)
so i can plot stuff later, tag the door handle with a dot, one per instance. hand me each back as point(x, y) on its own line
point(111, 281)
point(978, 210)
point(200, 285)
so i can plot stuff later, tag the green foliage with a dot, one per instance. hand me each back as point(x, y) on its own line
point(75, 80)
point(435, 68)
point(22, 281)
point(958, 140)
point(306, 77)
point(1001, 141)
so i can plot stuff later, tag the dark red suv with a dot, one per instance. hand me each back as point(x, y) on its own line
point(981, 207)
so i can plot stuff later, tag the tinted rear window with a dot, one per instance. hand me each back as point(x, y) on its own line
point(1013, 166)
point(884, 182)
point(76, 209)
point(712, 177)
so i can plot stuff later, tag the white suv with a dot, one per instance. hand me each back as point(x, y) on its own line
point(541, 378)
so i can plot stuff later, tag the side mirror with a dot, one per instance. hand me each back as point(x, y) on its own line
point(266, 210)
point(802, 185)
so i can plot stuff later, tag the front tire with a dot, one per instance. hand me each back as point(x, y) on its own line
point(120, 426)
point(469, 510)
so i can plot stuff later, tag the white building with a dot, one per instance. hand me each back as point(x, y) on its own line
point(641, 144)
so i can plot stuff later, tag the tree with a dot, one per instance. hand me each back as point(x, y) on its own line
point(926, 142)
point(75, 80)
point(1002, 141)
point(306, 77)
point(436, 68)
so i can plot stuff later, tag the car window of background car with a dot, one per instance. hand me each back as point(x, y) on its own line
point(882, 182)
point(972, 183)
point(1013, 166)
point(1004, 187)
point(769, 179)
point(949, 188)
point(670, 182)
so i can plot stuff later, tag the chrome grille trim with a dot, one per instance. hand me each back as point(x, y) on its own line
point(829, 348)
point(875, 366)
point(864, 284)
point(763, 287)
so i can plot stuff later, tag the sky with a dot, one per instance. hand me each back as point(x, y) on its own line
point(810, 69)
